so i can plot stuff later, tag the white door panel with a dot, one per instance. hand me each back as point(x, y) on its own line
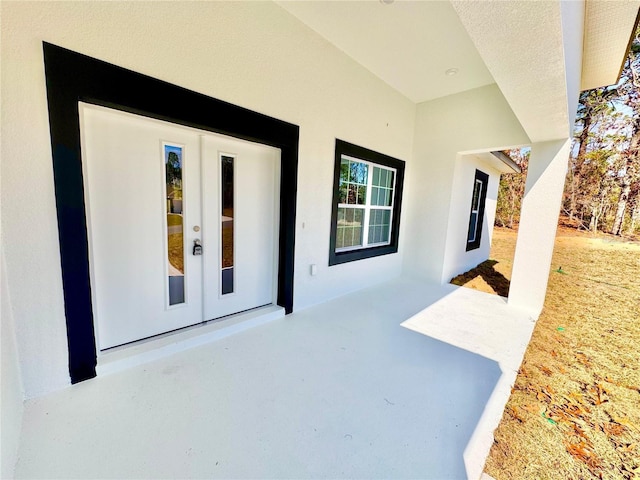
point(124, 182)
point(126, 198)
point(254, 222)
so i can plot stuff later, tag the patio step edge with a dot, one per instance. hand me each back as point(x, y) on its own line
point(171, 343)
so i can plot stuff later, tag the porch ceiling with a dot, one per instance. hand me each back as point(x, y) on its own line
point(409, 45)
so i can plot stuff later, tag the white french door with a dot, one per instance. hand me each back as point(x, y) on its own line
point(182, 224)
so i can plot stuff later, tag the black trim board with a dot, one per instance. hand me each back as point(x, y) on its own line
point(72, 77)
point(484, 178)
point(346, 148)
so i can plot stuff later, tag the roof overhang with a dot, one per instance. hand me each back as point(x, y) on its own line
point(509, 165)
point(497, 160)
point(608, 27)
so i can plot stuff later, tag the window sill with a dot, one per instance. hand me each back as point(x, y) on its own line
point(346, 256)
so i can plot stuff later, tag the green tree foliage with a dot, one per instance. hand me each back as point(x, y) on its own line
point(174, 170)
point(591, 187)
point(593, 107)
point(174, 176)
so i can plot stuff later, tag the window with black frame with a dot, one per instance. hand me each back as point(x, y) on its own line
point(478, 198)
point(366, 203)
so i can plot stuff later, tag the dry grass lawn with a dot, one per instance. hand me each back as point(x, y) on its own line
point(574, 411)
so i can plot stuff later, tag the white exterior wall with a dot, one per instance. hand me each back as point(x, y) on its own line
point(252, 54)
point(475, 120)
point(12, 395)
point(456, 258)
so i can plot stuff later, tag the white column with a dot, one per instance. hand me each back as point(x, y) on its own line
point(538, 224)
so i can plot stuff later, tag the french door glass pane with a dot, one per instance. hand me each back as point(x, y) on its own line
point(175, 227)
point(226, 224)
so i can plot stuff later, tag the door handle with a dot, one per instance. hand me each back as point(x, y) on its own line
point(197, 247)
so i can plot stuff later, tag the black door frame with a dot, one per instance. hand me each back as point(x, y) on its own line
point(72, 77)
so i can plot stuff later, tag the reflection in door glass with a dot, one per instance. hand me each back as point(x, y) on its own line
point(226, 221)
point(175, 235)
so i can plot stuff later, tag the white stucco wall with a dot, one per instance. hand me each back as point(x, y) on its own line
point(475, 120)
point(11, 401)
point(456, 258)
point(538, 224)
point(252, 54)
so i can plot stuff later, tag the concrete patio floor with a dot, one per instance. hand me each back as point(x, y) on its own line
point(402, 380)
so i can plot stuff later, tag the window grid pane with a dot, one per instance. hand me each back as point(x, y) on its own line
point(382, 193)
point(344, 171)
point(379, 225)
point(390, 179)
point(349, 231)
point(353, 182)
point(473, 222)
point(475, 204)
point(342, 195)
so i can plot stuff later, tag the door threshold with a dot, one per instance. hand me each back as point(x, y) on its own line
point(150, 349)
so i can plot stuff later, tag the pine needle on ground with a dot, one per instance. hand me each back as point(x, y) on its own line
point(574, 411)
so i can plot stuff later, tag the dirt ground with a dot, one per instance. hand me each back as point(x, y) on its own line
point(574, 411)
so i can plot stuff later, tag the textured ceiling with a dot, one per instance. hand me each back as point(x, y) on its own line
point(408, 44)
point(522, 45)
point(608, 27)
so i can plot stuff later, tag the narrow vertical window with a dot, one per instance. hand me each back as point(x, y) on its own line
point(226, 224)
point(474, 234)
point(175, 230)
point(475, 208)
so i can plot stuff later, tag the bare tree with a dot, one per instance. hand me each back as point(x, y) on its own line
point(630, 91)
point(592, 107)
point(511, 190)
point(604, 168)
